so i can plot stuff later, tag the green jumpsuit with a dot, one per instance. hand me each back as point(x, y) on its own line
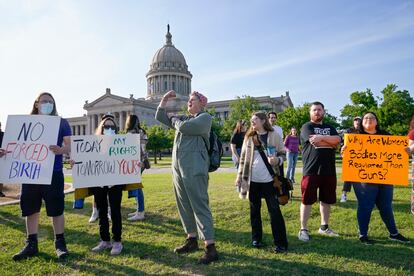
point(190, 164)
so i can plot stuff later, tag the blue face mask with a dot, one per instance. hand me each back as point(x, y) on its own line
point(108, 131)
point(46, 108)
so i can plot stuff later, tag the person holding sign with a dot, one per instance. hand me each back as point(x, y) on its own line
point(190, 162)
point(262, 153)
point(113, 194)
point(319, 141)
point(53, 195)
point(369, 194)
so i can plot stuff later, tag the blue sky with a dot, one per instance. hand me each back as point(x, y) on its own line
point(316, 50)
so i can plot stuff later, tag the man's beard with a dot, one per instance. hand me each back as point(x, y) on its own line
point(317, 119)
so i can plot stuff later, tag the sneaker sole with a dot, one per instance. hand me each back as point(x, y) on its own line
point(396, 240)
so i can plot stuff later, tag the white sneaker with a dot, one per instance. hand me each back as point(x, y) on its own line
point(132, 214)
point(102, 245)
point(116, 248)
point(94, 216)
point(304, 235)
point(343, 198)
point(137, 216)
point(328, 232)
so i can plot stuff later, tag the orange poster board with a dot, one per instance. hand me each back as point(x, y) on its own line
point(380, 159)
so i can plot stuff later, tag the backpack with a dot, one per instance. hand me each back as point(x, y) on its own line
point(215, 152)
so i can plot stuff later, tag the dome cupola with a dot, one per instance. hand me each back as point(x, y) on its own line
point(168, 71)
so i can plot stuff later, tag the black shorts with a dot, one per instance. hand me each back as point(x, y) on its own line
point(53, 195)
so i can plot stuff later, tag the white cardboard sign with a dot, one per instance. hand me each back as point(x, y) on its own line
point(26, 141)
point(105, 160)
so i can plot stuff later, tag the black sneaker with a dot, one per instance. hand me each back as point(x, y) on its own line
point(365, 240)
point(280, 250)
point(257, 244)
point(210, 255)
point(190, 245)
point(399, 238)
point(61, 249)
point(29, 250)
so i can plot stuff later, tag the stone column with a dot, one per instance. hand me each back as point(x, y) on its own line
point(121, 120)
point(93, 125)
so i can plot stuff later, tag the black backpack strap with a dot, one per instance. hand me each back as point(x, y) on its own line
point(268, 166)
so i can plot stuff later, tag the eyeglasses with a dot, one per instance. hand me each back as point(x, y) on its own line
point(111, 127)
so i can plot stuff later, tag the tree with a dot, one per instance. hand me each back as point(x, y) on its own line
point(361, 102)
point(297, 116)
point(158, 139)
point(241, 109)
point(394, 108)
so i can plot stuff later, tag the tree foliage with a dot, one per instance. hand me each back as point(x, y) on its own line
point(240, 109)
point(361, 102)
point(159, 138)
point(297, 116)
point(394, 108)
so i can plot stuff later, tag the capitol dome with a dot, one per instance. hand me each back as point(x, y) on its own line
point(168, 71)
point(168, 53)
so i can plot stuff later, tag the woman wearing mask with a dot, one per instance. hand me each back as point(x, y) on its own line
point(255, 178)
point(369, 194)
point(133, 126)
point(111, 194)
point(236, 141)
point(292, 148)
point(53, 195)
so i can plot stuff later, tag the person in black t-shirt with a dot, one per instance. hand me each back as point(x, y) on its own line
point(236, 141)
point(319, 141)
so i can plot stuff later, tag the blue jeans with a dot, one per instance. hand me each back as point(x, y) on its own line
point(368, 196)
point(140, 200)
point(292, 157)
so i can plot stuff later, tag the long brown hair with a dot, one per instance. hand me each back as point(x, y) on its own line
point(132, 123)
point(239, 126)
point(266, 125)
point(35, 110)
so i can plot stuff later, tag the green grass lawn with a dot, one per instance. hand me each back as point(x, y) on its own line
point(148, 244)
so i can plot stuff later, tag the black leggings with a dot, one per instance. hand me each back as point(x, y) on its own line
point(114, 194)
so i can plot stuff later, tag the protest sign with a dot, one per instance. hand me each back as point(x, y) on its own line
point(26, 141)
point(105, 160)
point(380, 159)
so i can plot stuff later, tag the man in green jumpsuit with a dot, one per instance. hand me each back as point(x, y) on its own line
point(190, 162)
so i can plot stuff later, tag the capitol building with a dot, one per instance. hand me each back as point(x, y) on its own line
point(168, 71)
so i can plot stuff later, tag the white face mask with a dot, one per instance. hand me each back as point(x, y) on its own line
point(108, 131)
point(46, 108)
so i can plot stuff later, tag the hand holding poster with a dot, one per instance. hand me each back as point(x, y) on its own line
point(105, 160)
point(380, 159)
point(26, 142)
